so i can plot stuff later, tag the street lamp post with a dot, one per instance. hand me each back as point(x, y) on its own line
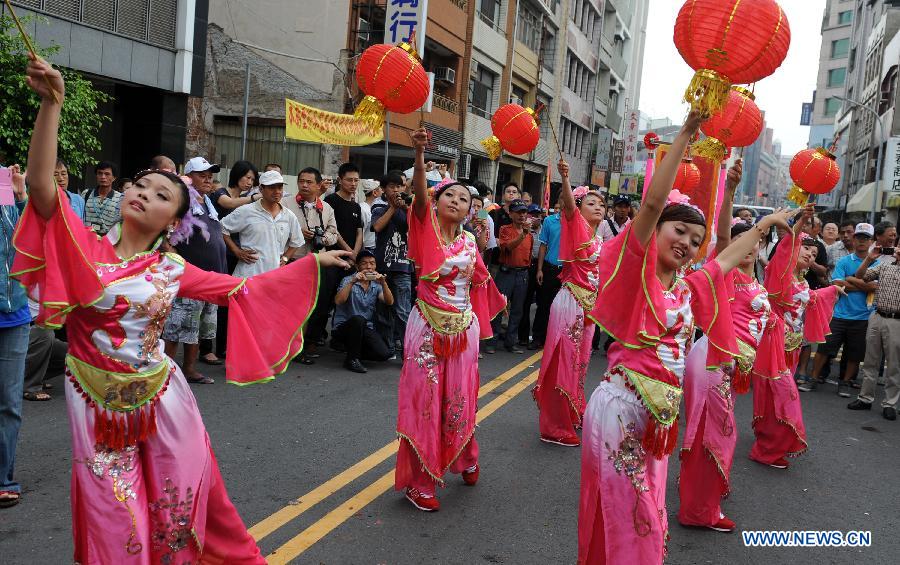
point(878, 171)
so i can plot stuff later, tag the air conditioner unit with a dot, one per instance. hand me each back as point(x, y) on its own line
point(464, 166)
point(445, 74)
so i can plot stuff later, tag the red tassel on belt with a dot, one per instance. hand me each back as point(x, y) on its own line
point(660, 440)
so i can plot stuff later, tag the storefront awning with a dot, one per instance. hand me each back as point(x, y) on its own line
point(862, 200)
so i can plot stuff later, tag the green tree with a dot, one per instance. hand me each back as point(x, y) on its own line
point(81, 119)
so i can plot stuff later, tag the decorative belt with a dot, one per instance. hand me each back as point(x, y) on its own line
point(792, 340)
point(442, 321)
point(661, 400)
point(884, 314)
point(584, 296)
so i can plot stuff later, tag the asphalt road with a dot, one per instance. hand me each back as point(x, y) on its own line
point(308, 464)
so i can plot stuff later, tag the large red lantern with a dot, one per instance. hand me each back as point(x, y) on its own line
point(737, 125)
point(393, 75)
point(814, 171)
point(688, 176)
point(729, 42)
point(515, 130)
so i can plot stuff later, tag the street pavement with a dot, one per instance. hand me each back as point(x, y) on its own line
point(308, 462)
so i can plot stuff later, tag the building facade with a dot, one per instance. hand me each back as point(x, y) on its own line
point(148, 55)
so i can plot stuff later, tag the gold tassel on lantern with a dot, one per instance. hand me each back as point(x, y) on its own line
point(710, 148)
point(492, 146)
point(708, 92)
point(371, 111)
point(798, 196)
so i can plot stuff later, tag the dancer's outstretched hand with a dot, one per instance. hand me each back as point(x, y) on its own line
point(334, 259)
point(35, 73)
point(782, 216)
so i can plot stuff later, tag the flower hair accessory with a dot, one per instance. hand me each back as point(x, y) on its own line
point(580, 192)
point(185, 228)
point(676, 197)
point(735, 221)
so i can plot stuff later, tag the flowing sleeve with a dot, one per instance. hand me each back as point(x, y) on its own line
point(770, 361)
point(712, 312)
point(630, 301)
point(487, 301)
point(575, 237)
point(817, 319)
point(424, 243)
point(780, 270)
point(58, 256)
point(266, 315)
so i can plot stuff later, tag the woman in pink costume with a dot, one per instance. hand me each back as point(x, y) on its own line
point(438, 389)
point(805, 314)
point(559, 392)
point(630, 424)
point(710, 432)
point(146, 487)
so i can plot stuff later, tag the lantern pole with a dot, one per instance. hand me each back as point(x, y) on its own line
point(387, 139)
point(878, 156)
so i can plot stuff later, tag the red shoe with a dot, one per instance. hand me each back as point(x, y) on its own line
point(421, 501)
point(723, 525)
point(780, 463)
point(569, 441)
point(470, 475)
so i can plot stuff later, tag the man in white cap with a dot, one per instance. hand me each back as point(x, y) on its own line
point(192, 320)
point(270, 234)
point(851, 317)
point(372, 192)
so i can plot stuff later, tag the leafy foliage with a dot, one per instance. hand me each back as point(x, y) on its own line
point(80, 122)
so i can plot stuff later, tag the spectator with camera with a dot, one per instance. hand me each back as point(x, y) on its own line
point(516, 243)
point(391, 247)
point(316, 217)
point(354, 314)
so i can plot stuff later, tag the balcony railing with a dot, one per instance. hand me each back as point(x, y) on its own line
point(446, 104)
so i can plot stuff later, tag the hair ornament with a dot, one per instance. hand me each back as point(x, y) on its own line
point(678, 198)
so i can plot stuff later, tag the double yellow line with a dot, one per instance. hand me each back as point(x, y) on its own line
point(305, 539)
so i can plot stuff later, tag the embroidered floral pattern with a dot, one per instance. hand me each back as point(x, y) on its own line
point(631, 460)
point(172, 531)
point(454, 422)
point(116, 465)
point(427, 362)
point(156, 308)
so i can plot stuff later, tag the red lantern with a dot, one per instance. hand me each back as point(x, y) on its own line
point(651, 141)
point(393, 75)
point(814, 171)
point(515, 130)
point(737, 125)
point(729, 42)
point(688, 176)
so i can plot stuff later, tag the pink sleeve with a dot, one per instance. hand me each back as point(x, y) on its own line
point(817, 319)
point(266, 315)
point(487, 301)
point(575, 236)
point(770, 362)
point(780, 270)
point(424, 243)
point(56, 258)
point(629, 294)
point(712, 313)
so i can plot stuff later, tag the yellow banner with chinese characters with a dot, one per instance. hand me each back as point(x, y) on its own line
point(363, 127)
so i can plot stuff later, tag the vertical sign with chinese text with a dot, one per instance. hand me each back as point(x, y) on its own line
point(618, 154)
point(632, 124)
point(604, 146)
point(891, 172)
point(402, 18)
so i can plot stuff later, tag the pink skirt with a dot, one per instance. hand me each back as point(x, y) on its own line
point(622, 509)
point(709, 440)
point(777, 419)
point(160, 501)
point(436, 402)
point(559, 392)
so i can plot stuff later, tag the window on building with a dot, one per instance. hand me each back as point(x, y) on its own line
point(840, 48)
point(845, 17)
point(489, 12)
point(528, 30)
point(518, 96)
point(548, 50)
point(481, 92)
point(836, 77)
point(545, 115)
point(832, 105)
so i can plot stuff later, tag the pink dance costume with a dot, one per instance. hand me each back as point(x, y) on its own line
point(630, 425)
point(438, 388)
point(710, 432)
point(803, 314)
point(559, 392)
point(146, 487)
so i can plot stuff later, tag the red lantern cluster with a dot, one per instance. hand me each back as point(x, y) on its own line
point(736, 125)
point(515, 130)
point(729, 42)
point(688, 176)
point(394, 76)
point(814, 171)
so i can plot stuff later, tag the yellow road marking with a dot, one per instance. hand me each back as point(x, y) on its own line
point(308, 537)
point(339, 481)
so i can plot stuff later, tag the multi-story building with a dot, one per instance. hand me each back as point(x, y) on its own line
point(149, 55)
point(836, 26)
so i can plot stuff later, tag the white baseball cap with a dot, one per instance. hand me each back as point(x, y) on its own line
point(864, 228)
point(370, 185)
point(199, 165)
point(269, 178)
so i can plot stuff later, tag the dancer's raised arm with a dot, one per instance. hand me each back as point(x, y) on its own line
point(658, 192)
point(567, 204)
point(419, 181)
point(42, 151)
point(730, 257)
point(723, 228)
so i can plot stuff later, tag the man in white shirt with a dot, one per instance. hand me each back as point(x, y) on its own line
point(270, 233)
point(316, 217)
point(372, 191)
point(611, 227)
